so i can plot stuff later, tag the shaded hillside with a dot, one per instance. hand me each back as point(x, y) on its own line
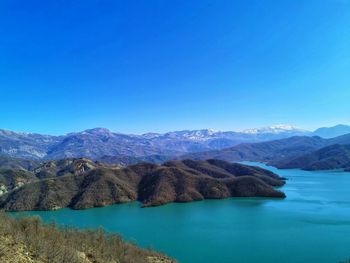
point(28, 240)
point(189, 181)
point(331, 157)
point(16, 163)
point(343, 139)
point(221, 169)
point(270, 151)
point(264, 151)
point(331, 132)
point(129, 160)
point(177, 181)
point(96, 188)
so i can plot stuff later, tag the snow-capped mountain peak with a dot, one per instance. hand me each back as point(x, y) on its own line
point(275, 129)
point(192, 134)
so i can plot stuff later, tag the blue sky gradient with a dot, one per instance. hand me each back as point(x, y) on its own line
point(155, 65)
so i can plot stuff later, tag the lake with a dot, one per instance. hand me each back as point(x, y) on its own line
point(311, 225)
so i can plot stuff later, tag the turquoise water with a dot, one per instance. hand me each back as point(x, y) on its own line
point(311, 225)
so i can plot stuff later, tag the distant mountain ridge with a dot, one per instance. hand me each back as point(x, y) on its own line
point(99, 142)
point(330, 132)
point(304, 152)
point(263, 151)
point(103, 144)
point(276, 129)
point(336, 156)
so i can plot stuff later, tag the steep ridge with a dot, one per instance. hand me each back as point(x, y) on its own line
point(100, 185)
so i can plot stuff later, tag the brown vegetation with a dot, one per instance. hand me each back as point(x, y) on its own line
point(28, 240)
point(81, 183)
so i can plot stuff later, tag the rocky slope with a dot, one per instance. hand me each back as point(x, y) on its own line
point(26, 145)
point(95, 143)
point(11, 179)
point(81, 183)
point(69, 166)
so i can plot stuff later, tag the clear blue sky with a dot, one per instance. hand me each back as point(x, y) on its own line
point(137, 66)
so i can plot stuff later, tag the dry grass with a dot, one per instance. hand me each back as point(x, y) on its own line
point(34, 241)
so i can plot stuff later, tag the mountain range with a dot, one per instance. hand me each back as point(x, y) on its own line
point(100, 143)
point(35, 173)
point(305, 152)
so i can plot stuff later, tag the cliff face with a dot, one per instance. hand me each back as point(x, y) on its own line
point(81, 183)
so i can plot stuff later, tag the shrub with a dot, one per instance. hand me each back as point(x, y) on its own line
point(53, 244)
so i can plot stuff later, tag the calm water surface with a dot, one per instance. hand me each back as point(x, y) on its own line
point(311, 225)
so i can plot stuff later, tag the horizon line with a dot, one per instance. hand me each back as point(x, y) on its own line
point(178, 130)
